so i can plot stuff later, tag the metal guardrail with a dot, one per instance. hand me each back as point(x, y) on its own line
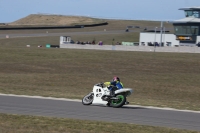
point(49, 27)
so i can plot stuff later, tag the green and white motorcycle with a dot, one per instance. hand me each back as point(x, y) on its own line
point(101, 96)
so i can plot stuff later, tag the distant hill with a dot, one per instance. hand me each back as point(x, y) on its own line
point(42, 19)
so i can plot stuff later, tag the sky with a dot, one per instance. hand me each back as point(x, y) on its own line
point(165, 10)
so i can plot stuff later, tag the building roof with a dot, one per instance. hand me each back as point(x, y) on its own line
point(187, 20)
point(190, 8)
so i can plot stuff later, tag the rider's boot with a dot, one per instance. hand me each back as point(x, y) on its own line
point(112, 93)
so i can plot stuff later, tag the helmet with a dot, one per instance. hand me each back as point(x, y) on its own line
point(116, 78)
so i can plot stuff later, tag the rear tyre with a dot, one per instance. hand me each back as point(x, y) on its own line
point(119, 102)
point(88, 99)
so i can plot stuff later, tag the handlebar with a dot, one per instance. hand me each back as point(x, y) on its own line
point(100, 84)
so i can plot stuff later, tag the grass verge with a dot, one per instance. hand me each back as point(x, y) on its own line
point(37, 124)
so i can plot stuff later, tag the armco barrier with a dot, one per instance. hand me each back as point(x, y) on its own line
point(182, 49)
point(48, 27)
point(40, 27)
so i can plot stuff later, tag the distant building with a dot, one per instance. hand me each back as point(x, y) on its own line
point(65, 39)
point(186, 31)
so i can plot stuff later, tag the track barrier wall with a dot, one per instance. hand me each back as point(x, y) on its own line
point(182, 49)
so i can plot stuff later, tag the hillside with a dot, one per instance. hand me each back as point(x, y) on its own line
point(41, 19)
point(61, 20)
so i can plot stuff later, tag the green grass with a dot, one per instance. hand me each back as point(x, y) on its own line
point(30, 124)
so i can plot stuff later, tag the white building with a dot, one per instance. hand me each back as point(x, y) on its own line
point(65, 39)
point(187, 31)
point(149, 39)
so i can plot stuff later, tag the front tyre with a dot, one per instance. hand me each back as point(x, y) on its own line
point(88, 99)
point(118, 102)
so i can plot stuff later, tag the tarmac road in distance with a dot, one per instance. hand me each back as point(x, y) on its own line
point(62, 34)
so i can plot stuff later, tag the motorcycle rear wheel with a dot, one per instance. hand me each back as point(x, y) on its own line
point(118, 103)
point(88, 99)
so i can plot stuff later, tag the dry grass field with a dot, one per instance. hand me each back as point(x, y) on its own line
point(30, 124)
point(158, 79)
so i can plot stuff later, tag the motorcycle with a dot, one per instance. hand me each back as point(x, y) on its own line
point(101, 95)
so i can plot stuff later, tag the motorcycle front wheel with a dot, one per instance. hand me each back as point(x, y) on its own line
point(117, 103)
point(88, 99)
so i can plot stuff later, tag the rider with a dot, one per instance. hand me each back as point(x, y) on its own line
point(114, 85)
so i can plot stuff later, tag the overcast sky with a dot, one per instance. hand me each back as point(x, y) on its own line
point(12, 10)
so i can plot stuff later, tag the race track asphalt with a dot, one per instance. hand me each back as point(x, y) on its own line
point(64, 108)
